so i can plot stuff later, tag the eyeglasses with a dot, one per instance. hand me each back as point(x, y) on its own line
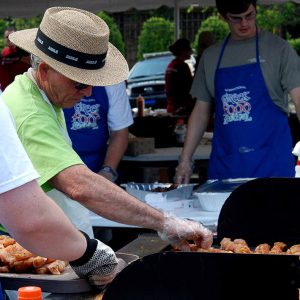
point(239, 19)
point(80, 86)
point(77, 85)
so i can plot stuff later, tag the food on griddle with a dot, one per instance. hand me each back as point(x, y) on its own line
point(240, 246)
point(236, 246)
point(161, 189)
point(16, 259)
point(278, 248)
point(295, 250)
point(262, 248)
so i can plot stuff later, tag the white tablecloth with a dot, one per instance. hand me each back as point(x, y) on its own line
point(208, 218)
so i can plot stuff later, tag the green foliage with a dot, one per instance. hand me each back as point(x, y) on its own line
point(214, 24)
point(157, 35)
point(18, 23)
point(3, 26)
point(21, 23)
point(295, 44)
point(115, 36)
point(273, 17)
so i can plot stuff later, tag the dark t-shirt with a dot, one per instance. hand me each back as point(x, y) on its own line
point(12, 65)
point(179, 80)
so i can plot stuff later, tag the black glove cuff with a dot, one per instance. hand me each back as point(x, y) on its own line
point(89, 252)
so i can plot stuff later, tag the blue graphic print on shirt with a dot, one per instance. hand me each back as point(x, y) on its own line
point(86, 115)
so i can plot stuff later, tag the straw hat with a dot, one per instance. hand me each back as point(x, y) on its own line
point(75, 43)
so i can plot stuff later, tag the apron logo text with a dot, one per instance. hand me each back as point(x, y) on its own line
point(236, 105)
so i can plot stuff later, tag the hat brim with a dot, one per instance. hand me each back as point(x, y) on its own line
point(114, 71)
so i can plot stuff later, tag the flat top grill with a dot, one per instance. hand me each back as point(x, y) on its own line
point(259, 211)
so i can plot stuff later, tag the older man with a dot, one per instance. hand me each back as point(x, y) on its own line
point(36, 222)
point(75, 54)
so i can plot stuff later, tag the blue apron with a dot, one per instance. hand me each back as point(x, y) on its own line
point(88, 129)
point(251, 136)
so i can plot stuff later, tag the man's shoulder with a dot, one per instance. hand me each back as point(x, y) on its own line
point(270, 39)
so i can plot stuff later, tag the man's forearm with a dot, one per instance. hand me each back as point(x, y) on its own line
point(105, 198)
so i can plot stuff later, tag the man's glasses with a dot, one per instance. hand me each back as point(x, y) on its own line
point(238, 19)
point(77, 85)
point(80, 86)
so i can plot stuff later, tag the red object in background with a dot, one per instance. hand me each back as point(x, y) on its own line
point(11, 66)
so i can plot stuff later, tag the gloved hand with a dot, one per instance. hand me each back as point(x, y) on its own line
point(102, 281)
point(178, 232)
point(184, 171)
point(99, 264)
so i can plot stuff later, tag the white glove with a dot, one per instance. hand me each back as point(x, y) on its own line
point(178, 232)
point(102, 281)
point(102, 266)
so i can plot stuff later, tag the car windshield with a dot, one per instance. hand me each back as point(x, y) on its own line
point(150, 67)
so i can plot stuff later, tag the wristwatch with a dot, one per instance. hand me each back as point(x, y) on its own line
point(110, 170)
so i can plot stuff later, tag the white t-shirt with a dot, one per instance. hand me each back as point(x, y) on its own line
point(119, 113)
point(16, 168)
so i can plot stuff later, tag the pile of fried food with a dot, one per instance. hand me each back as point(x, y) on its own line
point(240, 246)
point(15, 259)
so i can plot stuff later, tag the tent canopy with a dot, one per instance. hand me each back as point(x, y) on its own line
point(29, 8)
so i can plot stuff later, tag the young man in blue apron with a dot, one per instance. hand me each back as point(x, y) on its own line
point(98, 128)
point(247, 77)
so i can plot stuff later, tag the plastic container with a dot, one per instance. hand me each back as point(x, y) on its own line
point(180, 130)
point(30, 292)
point(297, 169)
point(212, 201)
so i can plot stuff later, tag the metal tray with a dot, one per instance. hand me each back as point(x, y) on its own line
point(141, 190)
point(66, 283)
point(221, 186)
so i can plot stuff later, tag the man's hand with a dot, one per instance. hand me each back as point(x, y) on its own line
point(178, 232)
point(102, 265)
point(184, 171)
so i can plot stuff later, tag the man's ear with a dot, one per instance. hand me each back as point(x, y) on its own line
point(43, 69)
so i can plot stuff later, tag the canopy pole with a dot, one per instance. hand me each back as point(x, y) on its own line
point(176, 20)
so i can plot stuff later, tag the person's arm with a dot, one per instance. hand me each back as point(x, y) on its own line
point(105, 198)
point(295, 94)
point(117, 146)
point(197, 125)
point(37, 223)
point(110, 201)
point(40, 226)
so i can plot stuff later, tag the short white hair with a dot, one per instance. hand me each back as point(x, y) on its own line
point(35, 61)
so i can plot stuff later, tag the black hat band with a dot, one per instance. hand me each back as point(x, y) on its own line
point(68, 56)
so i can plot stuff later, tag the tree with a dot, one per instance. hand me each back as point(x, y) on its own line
point(156, 36)
point(18, 23)
point(115, 36)
point(274, 17)
point(23, 23)
point(214, 24)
